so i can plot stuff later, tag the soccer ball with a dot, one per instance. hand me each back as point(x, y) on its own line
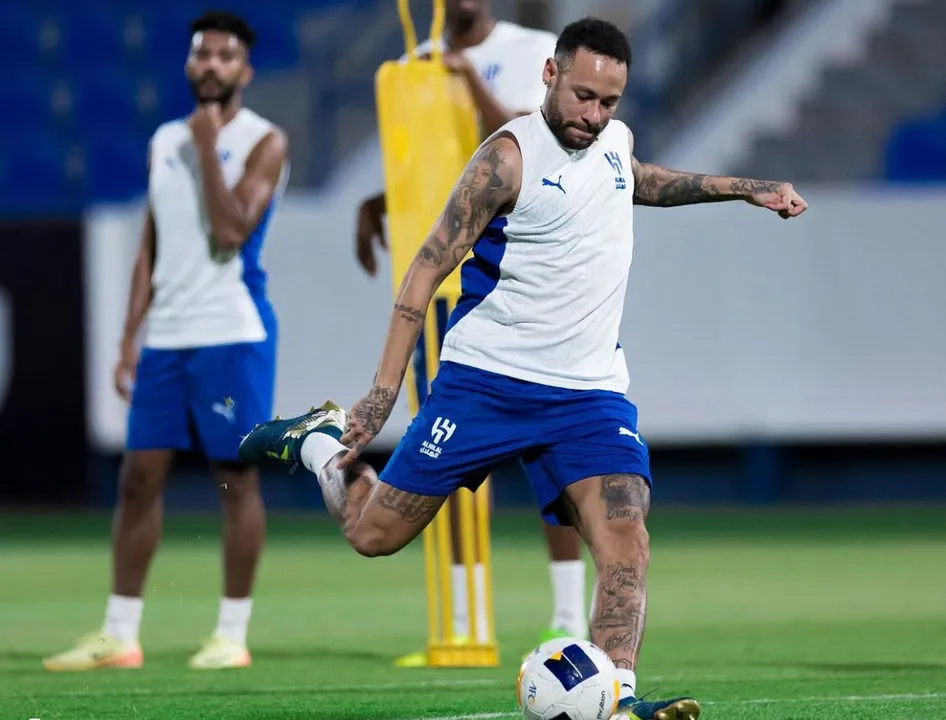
point(568, 679)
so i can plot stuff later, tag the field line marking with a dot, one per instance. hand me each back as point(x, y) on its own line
point(275, 689)
point(907, 697)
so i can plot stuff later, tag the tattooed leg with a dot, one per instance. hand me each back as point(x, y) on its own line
point(376, 518)
point(345, 492)
point(610, 513)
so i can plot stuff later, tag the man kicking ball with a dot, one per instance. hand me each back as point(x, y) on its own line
point(531, 367)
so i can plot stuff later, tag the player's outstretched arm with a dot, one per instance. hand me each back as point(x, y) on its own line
point(488, 186)
point(235, 213)
point(656, 186)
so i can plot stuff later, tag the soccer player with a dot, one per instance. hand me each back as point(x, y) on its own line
point(209, 350)
point(502, 65)
point(531, 366)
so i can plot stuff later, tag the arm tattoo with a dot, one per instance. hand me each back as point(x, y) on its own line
point(625, 497)
point(373, 411)
point(410, 507)
point(480, 193)
point(656, 186)
point(745, 186)
point(411, 314)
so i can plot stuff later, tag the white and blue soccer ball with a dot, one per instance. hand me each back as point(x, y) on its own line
point(568, 679)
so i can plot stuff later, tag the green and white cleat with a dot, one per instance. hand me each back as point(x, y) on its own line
point(280, 441)
point(552, 633)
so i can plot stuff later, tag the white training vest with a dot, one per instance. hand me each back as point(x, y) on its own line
point(510, 61)
point(203, 297)
point(543, 293)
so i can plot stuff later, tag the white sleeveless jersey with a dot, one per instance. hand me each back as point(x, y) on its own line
point(543, 293)
point(202, 296)
point(510, 61)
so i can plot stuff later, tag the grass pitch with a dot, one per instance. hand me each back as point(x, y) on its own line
point(790, 614)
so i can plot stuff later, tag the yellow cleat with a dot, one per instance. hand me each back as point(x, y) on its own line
point(96, 651)
point(419, 659)
point(412, 660)
point(219, 653)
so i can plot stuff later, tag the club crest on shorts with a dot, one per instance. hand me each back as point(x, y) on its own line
point(440, 432)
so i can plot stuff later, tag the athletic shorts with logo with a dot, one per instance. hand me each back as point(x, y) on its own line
point(475, 422)
point(205, 398)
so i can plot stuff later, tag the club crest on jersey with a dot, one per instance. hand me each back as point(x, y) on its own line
point(489, 73)
point(614, 160)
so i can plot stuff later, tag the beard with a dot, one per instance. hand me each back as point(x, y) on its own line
point(558, 125)
point(221, 96)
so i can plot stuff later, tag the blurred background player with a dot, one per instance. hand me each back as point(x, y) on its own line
point(502, 65)
point(206, 372)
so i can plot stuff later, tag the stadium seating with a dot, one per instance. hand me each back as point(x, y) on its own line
point(916, 150)
point(79, 74)
point(90, 82)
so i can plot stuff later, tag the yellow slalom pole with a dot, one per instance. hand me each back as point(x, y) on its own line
point(407, 23)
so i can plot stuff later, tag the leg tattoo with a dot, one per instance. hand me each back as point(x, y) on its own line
point(618, 622)
point(411, 508)
point(617, 625)
point(345, 492)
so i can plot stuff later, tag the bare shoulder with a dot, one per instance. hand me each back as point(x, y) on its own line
point(275, 141)
point(505, 145)
point(500, 156)
point(269, 154)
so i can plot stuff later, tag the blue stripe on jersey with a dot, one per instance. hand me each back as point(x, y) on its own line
point(254, 276)
point(421, 381)
point(420, 369)
point(479, 275)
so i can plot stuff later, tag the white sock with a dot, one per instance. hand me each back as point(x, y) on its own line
point(628, 680)
point(568, 594)
point(461, 605)
point(123, 617)
point(234, 619)
point(317, 449)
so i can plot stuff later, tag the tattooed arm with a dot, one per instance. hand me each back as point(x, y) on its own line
point(488, 187)
point(657, 186)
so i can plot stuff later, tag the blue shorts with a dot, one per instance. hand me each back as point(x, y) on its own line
point(474, 421)
point(214, 395)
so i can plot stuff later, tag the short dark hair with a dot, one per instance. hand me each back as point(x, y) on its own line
point(226, 22)
point(595, 35)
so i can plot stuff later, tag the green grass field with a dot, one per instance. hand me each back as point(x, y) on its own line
point(821, 614)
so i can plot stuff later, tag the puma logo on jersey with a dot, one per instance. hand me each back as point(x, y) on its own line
point(630, 433)
point(548, 183)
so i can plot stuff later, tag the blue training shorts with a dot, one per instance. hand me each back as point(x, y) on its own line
point(218, 393)
point(474, 421)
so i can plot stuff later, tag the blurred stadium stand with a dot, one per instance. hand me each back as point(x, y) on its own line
point(879, 117)
point(91, 81)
